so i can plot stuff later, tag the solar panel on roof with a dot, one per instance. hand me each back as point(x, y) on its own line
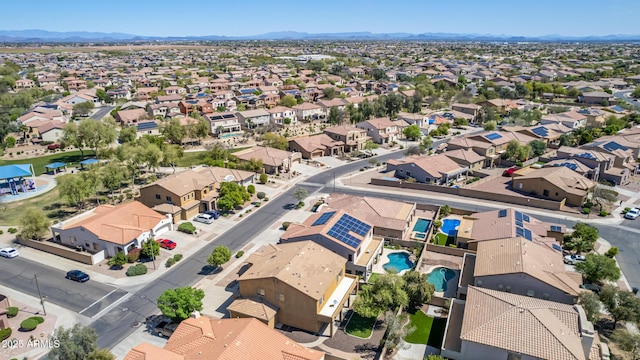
point(540, 131)
point(340, 231)
point(228, 116)
point(323, 218)
point(586, 156)
point(217, 117)
point(556, 228)
point(147, 125)
point(502, 213)
point(613, 146)
point(493, 136)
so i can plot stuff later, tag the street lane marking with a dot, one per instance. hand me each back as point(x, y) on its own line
point(97, 301)
point(114, 304)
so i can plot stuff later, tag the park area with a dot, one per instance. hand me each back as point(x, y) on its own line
point(70, 158)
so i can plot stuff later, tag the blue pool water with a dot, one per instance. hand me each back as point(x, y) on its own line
point(420, 235)
point(398, 261)
point(228, 135)
point(449, 226)
point(422, 225)
point(439, 278)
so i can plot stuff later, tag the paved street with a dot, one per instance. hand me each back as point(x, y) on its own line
point(102, 112)
point(18, 274)
point(625, 95)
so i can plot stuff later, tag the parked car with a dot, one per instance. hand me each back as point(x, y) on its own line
point(573, 259)
point(53, 146)
point(167, 244)
point(8, 252)
point(204, 218)
point(77, 275)
point(165, 327)
point(593, 287)
point(509, 172)
point(215, 214)
point(632, 214)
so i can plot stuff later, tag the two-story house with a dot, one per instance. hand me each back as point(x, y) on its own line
point(225, 122)
point(300, 284)
point(309, 112)
point(380, 130)
point(252, 119)
point(353, 138)
point(343, 234)
point(438, 169)
point(282, 116)
point(571, 119)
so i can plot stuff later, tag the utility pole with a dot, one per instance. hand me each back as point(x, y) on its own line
point(40, 294)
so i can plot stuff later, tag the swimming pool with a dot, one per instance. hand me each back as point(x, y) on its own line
point(439, 278)
point(228, 135)
point(420, 236)
point(398, 261)
point(450, 226)
point(422, 225)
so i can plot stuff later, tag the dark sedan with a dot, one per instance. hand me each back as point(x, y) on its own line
point(77, 275)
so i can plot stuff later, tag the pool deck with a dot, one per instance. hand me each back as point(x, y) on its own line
point(377, 268)
point(420, 214)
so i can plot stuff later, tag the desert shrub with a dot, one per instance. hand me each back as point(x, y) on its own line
point(39, 319)
point(133, 256)
point(626, 210)
point(239, 254)
point(177, 257)
point(265, 199)
point(257, 205)
point(170, 262)
point(187, 227)
point(12, 312)
point(1, 232)
point(251, 189)
point(5, 334)
point(136, 270)
point(12, 230)
point(603, 213)
point(29, 324)
point(261, 195)
point(263, 178)
point(300, 205)
point(285, 225)
point(586, 210)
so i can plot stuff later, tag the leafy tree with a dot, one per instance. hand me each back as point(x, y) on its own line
point(335, 116)
point(626, 340)
point(220, 255)
point(598, 267)
point(103, 96)
point(83, 108)
point(10, 141)
point(77, 343)
point(386, 292)
point(459, 122)
point(74, 189)
point(523, 153)
point(97, 134)
point(251, 189)
point(538, 147)
point(636, 92)
point(34, 224)
point(263, 178)
point(412, 132)
point(418, 289)
point(370, 145)
point(591, 305)
point(174, 131)
point(426, 143)
point(489, 125)
point(171, 154)
point(150, 248)
point(379, 74)
point(118, 260)
point(112, 175)
point(128, 134)
point(612, 252)
point(254, 165)
point(621, 304)
point(396, 331)
point(300, 193)
point(71, 136)
point(199, 128)
point(329, 93)
point(288, 101)
point(588, 233)
point(178, 304)
point(604, 197)
point(226, 204)
point(275, 141)
point(512, 149)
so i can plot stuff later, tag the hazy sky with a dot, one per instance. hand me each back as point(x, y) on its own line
point(251, 17)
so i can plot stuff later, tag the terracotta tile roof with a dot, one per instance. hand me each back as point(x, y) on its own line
point(259, 310)
point(388, 214)
point(118, 224)
point(187, 181)
point(435, 165)
point(343, 129)
point(380, 123)
point(129, 116)
point(565, 178)
point(268, 155)
point(306, 266)
point(469, 143)
point(489, 225)
point(316, 142)
point(225, 339)
point(518, 255)
point(467, 156)
point(524, 325)
point(307, 106)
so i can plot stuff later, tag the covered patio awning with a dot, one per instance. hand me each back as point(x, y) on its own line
point(55, 165)
point(89, 161)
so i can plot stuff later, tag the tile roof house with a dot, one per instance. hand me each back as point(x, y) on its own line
point(274, 161)
point(505, 223)
point(520, 266)
point(381, 130)
point(437, 169)
point(466, 158)
point(278, 114)
point(352, 137)
point(342, 233)
point(307, 111)
point(554, 183)
point(390, 218)
point(304, 282)
point(129, 117)
point(190, 192)
point(114, 229)
point(254, 118)
point(317, 145)
point(625, 149)
point(570, 119)
point(225, 339)
point(482, 148)
point(492, 324)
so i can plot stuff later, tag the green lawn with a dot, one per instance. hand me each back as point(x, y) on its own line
point(444, 240)
point(360, 326)
point(421, 323)
point(193, 158)
point(50, 202)
point(71, 158)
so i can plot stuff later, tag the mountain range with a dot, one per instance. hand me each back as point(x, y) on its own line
point(39, 36)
